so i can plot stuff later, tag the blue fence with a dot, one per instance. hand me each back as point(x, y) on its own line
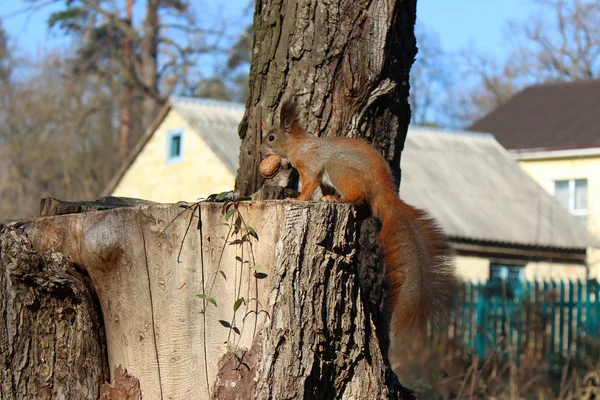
point(532, 322)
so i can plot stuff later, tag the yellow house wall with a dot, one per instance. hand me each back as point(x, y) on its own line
point(477, 269)
point(473, 269)
point(559, 272)
point(198, 174)
point(546, 171)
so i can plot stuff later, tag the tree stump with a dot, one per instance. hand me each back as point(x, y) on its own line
point(226, 300)
point(52, 342)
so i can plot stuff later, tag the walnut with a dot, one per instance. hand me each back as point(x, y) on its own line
point(269, 167)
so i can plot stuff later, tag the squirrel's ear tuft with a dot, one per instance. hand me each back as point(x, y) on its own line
point(289, 114)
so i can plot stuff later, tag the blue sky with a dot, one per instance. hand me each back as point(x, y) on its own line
point(29, 30)
point(459, 23)
point(465, 23)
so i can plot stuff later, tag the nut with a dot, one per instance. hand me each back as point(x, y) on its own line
point(269, 167)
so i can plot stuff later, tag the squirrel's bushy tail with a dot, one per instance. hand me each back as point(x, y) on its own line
point(419, 271)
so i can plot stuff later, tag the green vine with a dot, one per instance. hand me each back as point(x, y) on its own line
point(243, 236)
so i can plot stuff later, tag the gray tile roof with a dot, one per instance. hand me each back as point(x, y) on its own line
point(216, 122)
point(472, 186)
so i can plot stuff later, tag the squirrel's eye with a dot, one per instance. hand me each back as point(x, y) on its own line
point(271, 138)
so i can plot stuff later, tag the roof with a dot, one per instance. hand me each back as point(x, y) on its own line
point(550, 116)
point(215, 121)
point(543, 154)
point(476, 191)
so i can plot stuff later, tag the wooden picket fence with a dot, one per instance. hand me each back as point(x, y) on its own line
point(529, 322)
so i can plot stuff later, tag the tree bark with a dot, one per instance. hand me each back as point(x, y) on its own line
point(346, 62)
point(151, 101)
point(127, 100)
point(52, 342)
point(195, 299)
point(321, 340)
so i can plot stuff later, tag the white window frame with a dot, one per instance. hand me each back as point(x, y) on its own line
point(582, 212)
point(171, 133)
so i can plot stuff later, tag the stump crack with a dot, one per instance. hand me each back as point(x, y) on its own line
point(152, 310)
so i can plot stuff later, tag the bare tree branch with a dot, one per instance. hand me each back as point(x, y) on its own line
point(115, 20)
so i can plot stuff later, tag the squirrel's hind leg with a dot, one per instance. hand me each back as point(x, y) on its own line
point(332, 199)
point(338, 199)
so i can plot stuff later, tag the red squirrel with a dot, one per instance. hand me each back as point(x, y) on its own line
point(419, 272)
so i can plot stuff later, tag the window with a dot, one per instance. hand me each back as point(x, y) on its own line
point(506, 279)
point(174, 146)
point(572, 194)
point(508, 273)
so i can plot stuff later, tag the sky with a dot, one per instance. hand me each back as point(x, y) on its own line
point(466, 23)
point(459, 23)
point(29, 30)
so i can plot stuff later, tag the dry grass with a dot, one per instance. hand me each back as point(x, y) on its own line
point(449, 371)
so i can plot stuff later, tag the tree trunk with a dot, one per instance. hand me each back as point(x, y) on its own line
point(348, 65)
point(321, 341)
point(151, 101)
point(346, 62)
point(127, 100)
point(52, 342)
point(196, 299)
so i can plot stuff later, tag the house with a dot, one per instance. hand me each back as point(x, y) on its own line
point(190, 151)
point(552, 131)
point(500, 222)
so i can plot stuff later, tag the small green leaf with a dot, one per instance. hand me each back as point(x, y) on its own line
point(238, 258)
point(236, 330)
point(237, 224)
point(223, 275)
point(260, 275)
point(256, 267)
point(229, 214)
point(252, 232)
point(225, 323)
point(210, 299)
point(222, 196)
point(237, 304)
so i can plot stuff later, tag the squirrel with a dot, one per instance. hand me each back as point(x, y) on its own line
point(419, 272)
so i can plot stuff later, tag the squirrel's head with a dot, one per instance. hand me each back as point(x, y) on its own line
point(275, 140)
